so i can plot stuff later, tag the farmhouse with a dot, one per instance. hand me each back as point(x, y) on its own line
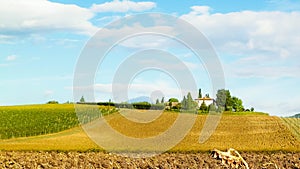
point(170, 105)
point(207, 100)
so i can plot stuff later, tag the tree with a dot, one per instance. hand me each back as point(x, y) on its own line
point(82, 100)
point(203, 107)
point(229, 103)
point(212, 107)
point(141, 105)
point(188, 103)
point(207, 95)
point(224, 100)
point(162, 100)
point(184, 103)
point(173, 100)
point(252, 109)
point(52, 102)
point(237, 104)
point(157, 101)
point(221, 98)
point(109, 103)
point(199, 93)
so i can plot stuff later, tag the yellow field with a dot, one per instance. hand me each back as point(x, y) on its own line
point(242, 132)
point(293, 124)
point(73, 139)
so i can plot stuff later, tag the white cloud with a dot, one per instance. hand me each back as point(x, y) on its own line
point(66, 42)
point(48, 93)
point(200, 9)
point(146, 42)
point(273, 36)
point(119, 91)
point(264, 71)
point(176, 66)
point(260, 55)
point(6, 39)
point(43, 16)
point(123, 6)
point(271, 96)
point(103, 21)
point(140, 87)
point(36, 79)
point(284, 5)
point(149, 38)
point(11, 58)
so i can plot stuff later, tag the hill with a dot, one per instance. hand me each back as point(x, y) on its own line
point(246, 132)
point(140, 99)
point(32, 120)
point(296, 116)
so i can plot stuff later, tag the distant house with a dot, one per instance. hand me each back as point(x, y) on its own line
point(173, 103)
point(170, 105)
point(207, 100)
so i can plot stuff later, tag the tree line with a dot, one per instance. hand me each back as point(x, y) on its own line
point(223, 102)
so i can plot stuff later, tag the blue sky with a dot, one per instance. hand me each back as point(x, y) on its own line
point(257, 44)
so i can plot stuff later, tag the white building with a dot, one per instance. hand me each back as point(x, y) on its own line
point(208, 101)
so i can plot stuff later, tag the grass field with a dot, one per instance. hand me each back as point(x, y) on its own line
point(246, 132)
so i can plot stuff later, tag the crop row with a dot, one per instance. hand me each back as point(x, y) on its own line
point(24, 121)
point(293, 124)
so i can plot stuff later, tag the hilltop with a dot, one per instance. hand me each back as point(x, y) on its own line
point(296, 116)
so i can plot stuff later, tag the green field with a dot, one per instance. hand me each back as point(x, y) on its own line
point(33, 120)
point(55, 127)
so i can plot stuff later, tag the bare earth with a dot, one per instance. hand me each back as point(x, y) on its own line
point(9, 159)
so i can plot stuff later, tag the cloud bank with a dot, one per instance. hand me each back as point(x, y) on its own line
point(123, 6)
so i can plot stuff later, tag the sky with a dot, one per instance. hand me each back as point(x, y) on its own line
point(257, 44)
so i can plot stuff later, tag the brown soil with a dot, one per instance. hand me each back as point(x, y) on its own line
point(10, 159)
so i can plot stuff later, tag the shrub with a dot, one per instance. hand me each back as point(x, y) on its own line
point(52, 102)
